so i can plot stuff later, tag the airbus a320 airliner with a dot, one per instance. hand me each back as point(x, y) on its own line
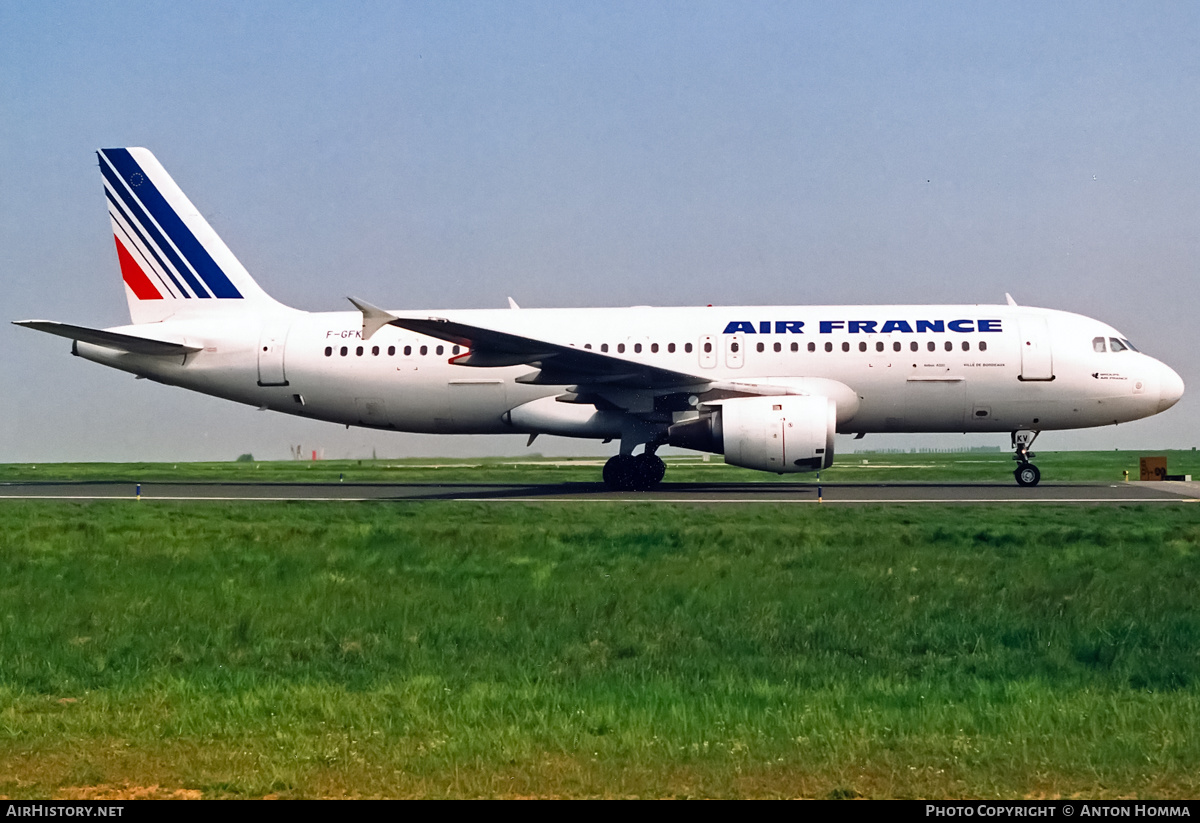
point(766, 386)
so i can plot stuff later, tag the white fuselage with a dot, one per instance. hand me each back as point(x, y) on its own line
point(971, 368)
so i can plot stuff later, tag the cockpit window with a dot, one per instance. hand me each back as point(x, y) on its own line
point(1116, 344)
point(1098, 345)
point(1129, 345)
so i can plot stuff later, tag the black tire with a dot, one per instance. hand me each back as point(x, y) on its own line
point(1027, 474)
point(648, 471)
point(619, 472)
point(627, 473)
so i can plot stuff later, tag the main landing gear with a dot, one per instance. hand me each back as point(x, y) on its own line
point(1026, 473)
point(634, 473)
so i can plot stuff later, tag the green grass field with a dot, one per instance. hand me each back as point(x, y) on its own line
point(453, 649)
point(993, 467)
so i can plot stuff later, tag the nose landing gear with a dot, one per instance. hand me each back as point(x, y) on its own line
point(1026, 474)
point(637, 473)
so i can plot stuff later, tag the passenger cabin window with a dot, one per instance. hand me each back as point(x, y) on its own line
point(670, 348)
point(982, 346)
point(343, 351)
point(759, 347)
point(375, 351)
point(637, 348)
point(424, 350)
point(328, 351)
point(1098, 345)
point(391, 351)
point(620, 348)
point(407, 351)
point(1116, 345)
point(687, 347)
point(828, 347)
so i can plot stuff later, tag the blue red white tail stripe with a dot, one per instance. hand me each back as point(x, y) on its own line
point(135, 221)
point(134, 276)
point(136, 202)
point(122, 227)
point(173, 264)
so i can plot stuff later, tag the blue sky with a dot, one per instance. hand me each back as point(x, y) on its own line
point(574, 154)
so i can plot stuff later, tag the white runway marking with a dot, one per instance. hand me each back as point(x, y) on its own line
point(827, 501)
point(809, 500)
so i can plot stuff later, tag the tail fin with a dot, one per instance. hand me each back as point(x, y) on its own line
point(172, 261)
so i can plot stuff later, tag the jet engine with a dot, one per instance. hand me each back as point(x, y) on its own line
point(788, 433)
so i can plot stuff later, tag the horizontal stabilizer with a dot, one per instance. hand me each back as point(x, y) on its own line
point(109, 339)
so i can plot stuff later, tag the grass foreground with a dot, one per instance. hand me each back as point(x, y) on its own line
point(452, 649)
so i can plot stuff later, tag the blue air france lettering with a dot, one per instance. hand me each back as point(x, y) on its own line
point(863, 326)
point(201, 322)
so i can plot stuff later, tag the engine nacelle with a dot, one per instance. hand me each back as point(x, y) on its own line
point(788, 433)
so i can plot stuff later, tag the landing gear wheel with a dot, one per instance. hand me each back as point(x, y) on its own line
point(625, 472)
point(650, 471)
point(618, 471)
point(1027, 474)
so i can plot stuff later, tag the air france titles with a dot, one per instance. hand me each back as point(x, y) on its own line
point(962, 326)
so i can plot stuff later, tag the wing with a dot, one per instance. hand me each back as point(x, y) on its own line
point(556, 364)
point(593, 377)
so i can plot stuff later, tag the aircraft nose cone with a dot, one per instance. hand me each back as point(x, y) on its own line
point(1171, 388)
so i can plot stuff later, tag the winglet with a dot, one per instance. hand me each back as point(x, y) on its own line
point(1008, 297)
point(374, 318)
point(512, 304)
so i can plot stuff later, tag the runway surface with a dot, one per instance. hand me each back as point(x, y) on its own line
point(708, 493)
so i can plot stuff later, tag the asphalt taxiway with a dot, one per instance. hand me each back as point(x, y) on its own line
point(714, 493)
